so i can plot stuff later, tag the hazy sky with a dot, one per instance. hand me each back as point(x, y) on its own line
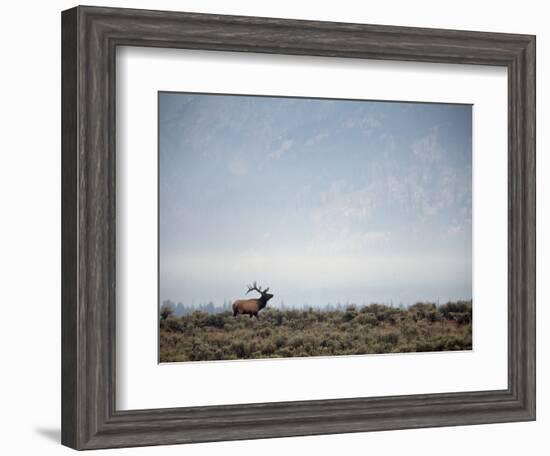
point(322, 200)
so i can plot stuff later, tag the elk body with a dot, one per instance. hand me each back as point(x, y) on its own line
point(252, 306)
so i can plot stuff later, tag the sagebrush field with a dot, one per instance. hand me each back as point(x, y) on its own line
point(277, 333)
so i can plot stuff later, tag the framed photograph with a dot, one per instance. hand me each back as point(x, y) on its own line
point(282, 227)
point(334, 200)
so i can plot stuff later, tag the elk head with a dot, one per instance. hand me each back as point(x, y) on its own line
point(265, 295)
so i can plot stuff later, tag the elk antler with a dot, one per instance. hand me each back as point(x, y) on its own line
point(255, 287)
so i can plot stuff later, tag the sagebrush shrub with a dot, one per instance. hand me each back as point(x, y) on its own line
point(374, 328)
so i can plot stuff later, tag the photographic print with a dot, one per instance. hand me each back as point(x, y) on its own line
point(299, 227)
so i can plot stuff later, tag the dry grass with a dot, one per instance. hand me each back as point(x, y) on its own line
point(293, 333)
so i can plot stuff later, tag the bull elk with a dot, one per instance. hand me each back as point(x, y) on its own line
point(252, 306)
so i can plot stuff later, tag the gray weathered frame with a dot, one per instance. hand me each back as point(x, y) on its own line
point(90, 36)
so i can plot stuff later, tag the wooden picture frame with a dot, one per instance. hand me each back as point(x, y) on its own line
point(90, 36)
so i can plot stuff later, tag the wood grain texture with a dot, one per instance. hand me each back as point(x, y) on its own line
point(69, 228)
point(89, 39)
